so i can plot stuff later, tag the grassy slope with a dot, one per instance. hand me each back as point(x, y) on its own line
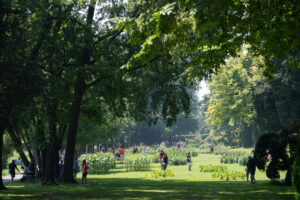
point(120, 184)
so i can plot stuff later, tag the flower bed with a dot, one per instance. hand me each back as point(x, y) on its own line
point(137, 162)
point(98, 163)
point(222, 172)
point(160, 173)
point(235, 157)
point(213, 168)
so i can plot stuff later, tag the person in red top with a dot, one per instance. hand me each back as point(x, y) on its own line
point(85, 168)
point(121, 151)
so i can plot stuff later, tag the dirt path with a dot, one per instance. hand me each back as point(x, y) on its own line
point(6, 179)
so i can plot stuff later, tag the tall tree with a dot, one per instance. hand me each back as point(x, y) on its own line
point(231, 103)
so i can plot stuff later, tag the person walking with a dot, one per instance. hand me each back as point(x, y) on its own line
point(161, 157)
point(247, 169)
point(189, 161)
point(122, 152)
point(60, 167)
point(251, 168)
point(85, 168)
point(12, 170)
point(165, 161)
point(75, 167)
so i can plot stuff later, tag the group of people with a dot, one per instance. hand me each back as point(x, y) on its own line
point(163, 157)
point(28, 171)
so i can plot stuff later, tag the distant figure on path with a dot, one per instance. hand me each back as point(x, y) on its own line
point(32, 170)
point(161, 157)
point(211, 148)
point(85, 168)
point(12, 170)
point(144, 149)
point(165, 161)
point(251, 168)
point(60, 166)
point(247, 170)
point(189, 161)
point(26, 174)
point(75, 167)
point(121, 151)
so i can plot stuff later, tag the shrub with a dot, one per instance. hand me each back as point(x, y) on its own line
point(160, 173)
point(98, 163)
point(138, 162)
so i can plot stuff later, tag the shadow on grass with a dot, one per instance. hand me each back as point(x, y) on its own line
point(116, 188)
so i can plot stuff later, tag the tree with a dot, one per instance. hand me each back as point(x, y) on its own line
point(19, 77)
point(230, 109)
point(277, 101)
point(215, 30)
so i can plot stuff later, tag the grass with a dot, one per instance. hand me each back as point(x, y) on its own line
point(120, 184)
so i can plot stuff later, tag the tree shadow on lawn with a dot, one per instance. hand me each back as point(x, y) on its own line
point(129, 188)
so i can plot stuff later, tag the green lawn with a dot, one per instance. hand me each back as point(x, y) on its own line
point(120, 184)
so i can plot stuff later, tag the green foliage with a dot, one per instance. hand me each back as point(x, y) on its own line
point(229, 175)
point(230, 106)
point(277, 101)
point(137, 162)
point(209, 32)
point(98, 163)
point(213, 168)
point(160, 174)
point(235, 157)
point(178, 156)
point(222, 172)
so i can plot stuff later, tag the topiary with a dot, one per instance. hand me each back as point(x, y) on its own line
point(276, 144)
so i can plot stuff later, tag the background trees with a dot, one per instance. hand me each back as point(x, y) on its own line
point(230, 110)
point(118, 63)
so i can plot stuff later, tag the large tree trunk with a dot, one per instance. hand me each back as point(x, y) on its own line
point(40, 150)
point(43, 163)
point(2, 187)
point(18, 146)
point(39, 163)
point(52, 151)
point(67, 173)
point(80, 86)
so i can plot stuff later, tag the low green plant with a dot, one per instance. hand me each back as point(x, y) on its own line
point(98, 163)
point(160, 173)
point(138, 162)
point(213, 168)
point(234, 157)
point(229, 175)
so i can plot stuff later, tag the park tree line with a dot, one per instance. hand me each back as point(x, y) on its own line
point(244, 103)
point(70, 62)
